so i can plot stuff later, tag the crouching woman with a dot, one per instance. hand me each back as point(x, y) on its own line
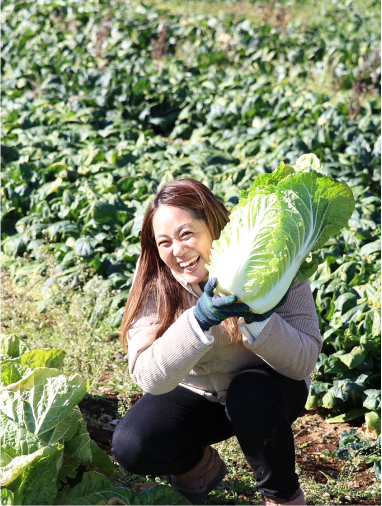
point(210, 370)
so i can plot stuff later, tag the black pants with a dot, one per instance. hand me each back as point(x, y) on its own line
point(164, 434)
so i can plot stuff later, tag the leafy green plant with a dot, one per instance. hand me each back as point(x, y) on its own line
point(353, 446)
point(44, 440)
point(278, 222)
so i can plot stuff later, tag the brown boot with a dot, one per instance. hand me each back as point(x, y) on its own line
point(297, 499)
point(202, 479)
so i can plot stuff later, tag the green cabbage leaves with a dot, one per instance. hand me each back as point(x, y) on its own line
point(277, 223)
point(44, 440)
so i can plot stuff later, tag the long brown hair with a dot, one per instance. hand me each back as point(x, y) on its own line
point(154, 277)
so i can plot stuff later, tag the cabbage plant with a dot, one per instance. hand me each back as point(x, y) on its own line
point(272, 231)
point(44, 442)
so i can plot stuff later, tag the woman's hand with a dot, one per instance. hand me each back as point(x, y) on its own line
point(211, 311)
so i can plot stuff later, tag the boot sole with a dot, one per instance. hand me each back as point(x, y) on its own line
point(211, 486)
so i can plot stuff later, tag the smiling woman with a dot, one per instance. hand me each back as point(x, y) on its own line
point(211, 370)
point(182, 221)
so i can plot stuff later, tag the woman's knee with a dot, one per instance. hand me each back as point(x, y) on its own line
point(128, 449)
point(250, 394)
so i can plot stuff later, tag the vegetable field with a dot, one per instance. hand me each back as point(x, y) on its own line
point(105, 100)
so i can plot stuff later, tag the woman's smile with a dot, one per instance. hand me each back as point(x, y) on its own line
point(189, 264)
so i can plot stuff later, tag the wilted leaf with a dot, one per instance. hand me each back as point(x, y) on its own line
point(373, 423)
point(346, 417)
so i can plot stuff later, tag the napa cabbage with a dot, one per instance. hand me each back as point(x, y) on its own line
point(273, 230)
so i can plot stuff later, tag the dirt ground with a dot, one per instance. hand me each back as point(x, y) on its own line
point(312, 435)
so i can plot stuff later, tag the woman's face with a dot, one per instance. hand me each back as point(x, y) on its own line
point(184, 243)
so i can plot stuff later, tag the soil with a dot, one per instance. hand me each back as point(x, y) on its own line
point(312, 436)
point(98, 412)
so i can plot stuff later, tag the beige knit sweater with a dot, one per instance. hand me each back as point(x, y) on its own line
point(290, 343)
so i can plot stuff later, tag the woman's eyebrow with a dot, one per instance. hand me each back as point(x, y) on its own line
point(177, 230)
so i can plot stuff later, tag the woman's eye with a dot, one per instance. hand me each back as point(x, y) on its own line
point(185, 234)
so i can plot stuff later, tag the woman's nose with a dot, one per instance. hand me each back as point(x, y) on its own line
point(178, 249)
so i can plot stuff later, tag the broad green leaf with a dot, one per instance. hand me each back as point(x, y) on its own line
point(38, 483)
point(79, 445)
point(371, 344)
point(65, 228)
point(270, 179)
point(354, 314)
point(100, 458)
point(343, 389)
point(19, 465)
point(16, 441)
point(40, 358)
point(321, 276)
point(15, 245)
point(125, 184)
point(68, 469)
point(318, 387)
point(112, 495)
point(11, 372)
point(43, 399)
point(48, 188)
point(84, 246)
point(347, 437)
point(345, 302)
point(161, 494)
point(10, 345)
point(307, 269)
point(66, 429)
point(68, 198)
point(102, 211)
point(331, 200)
point(91, 483)
point(371, 247)
point(26, 463)
point(354, 358)
point(335, 365)
point(329, 399)
point(373, 399)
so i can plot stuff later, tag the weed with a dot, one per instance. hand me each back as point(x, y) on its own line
point(160, 45)
point(366, 82)
point(61, 324)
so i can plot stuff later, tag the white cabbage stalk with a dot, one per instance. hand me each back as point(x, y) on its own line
point(272, 230)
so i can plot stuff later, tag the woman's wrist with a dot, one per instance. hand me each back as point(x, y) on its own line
point(252, 330)
point(204, 336)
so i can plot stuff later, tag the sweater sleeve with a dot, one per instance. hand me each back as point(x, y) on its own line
point(290, 342)
point(159, 366)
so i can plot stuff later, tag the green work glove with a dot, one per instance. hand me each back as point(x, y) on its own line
point(210, 310)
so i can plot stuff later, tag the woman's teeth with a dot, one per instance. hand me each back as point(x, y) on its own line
point(189, 262)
